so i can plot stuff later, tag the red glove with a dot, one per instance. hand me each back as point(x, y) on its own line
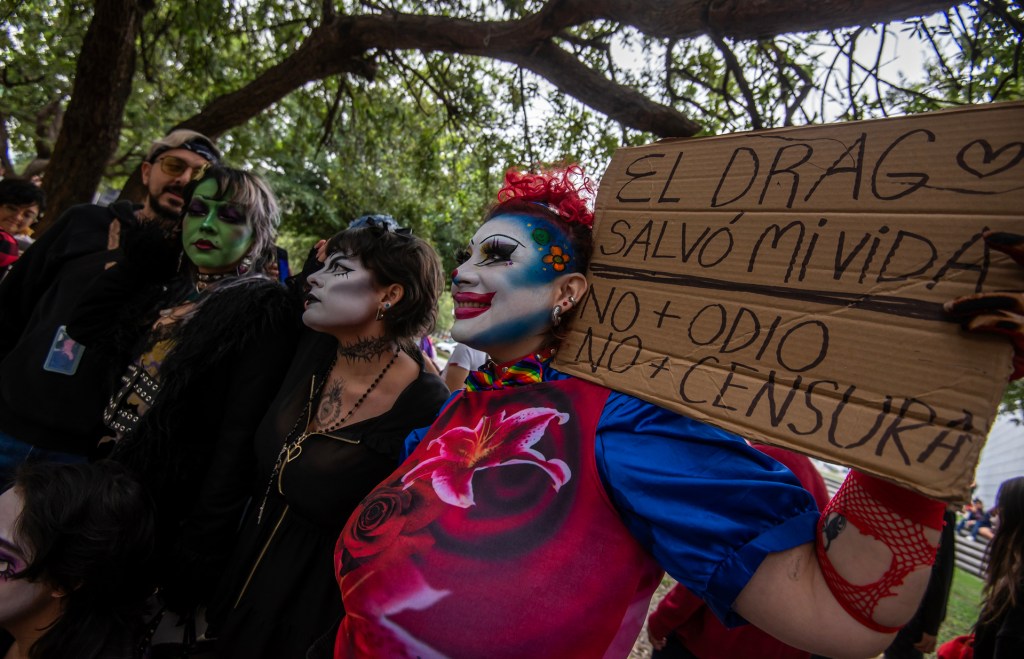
point(997, 313)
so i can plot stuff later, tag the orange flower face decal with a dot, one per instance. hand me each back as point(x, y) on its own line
point(557, 258)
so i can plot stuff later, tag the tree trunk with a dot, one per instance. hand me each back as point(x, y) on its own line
point(92, 124)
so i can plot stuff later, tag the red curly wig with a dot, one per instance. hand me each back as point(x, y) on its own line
point(568, 193)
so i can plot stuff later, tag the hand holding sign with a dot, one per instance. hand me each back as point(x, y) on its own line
point(792, 286)
point(997, 313)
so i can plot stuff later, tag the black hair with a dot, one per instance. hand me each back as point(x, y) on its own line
point(398, 257)
point(21, 193)
point(89, 529)
point(1005, 554)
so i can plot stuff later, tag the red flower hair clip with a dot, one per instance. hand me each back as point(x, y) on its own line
point(567, 193)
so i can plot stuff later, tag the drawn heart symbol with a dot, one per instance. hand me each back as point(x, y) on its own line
point(988, 157)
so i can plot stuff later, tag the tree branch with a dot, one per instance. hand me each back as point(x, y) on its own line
point(326, 136)
point(756, 19)
point(342, 45)
point(618, 102)
point(737, 71)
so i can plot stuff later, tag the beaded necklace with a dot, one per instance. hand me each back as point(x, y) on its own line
point(292, 447)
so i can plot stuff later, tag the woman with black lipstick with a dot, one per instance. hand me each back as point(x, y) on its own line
point(357, 386)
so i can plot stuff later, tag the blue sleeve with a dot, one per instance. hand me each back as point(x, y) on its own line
point(706, 505)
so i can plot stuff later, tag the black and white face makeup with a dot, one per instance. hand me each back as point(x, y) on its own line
point(343, 294)
point(19, 598)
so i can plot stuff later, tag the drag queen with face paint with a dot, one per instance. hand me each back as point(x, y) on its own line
point(357, 386)
point(208, 353)
point(535, 516)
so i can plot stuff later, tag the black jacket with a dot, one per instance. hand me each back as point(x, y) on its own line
point(193, 447)
point(1002, 638)
point(47, 409)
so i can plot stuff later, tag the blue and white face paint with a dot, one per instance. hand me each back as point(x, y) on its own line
point(507, 283)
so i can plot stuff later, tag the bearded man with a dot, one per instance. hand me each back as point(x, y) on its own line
point(51, 403)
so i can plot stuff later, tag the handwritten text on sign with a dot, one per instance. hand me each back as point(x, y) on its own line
point(788, 285)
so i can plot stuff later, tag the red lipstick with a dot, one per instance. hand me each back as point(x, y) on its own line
point(471, 305)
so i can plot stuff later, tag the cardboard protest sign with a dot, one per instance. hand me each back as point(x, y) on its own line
point(787, 285)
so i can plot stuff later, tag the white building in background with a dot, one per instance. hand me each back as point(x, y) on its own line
point(1001, 459)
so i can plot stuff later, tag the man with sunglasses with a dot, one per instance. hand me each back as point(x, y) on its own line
point(171, 163)
point(53, 390)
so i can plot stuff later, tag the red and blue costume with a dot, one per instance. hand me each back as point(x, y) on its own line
point(538, 488)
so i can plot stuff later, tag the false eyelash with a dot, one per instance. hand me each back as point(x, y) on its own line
point(462, 255)
point(495, 250)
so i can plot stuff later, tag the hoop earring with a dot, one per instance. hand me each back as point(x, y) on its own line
point(383, 310)
point(572, 300)
point(245, 265)
point(556, 315)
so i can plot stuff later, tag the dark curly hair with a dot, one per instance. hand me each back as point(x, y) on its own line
point(398, 257)
point(90, 531)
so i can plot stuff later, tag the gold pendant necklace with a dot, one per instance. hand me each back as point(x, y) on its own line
point(291, 450)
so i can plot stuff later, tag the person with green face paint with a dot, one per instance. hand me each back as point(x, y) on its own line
point(215, 233)
point(51, 404)
point(208, 353)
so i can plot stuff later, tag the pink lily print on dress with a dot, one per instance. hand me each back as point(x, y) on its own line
point(494, 442)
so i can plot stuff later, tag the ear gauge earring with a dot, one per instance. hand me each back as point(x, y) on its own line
point(556, 311)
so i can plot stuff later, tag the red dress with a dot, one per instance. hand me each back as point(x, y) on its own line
point(475, 546)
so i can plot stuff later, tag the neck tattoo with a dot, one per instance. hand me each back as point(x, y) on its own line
point(365, 349)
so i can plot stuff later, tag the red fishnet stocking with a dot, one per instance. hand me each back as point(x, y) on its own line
point(892, 515)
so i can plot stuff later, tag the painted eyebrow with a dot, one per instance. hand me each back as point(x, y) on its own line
point(337, 256)
point(495, 236)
